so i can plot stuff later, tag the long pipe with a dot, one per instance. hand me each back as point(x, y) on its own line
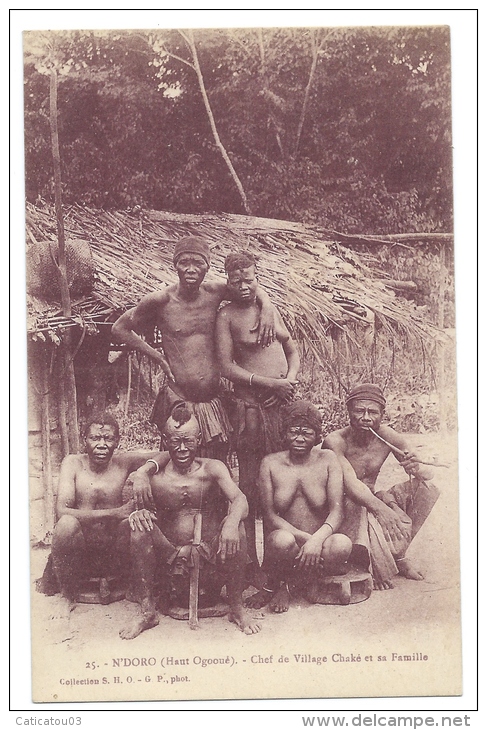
point(403, 454)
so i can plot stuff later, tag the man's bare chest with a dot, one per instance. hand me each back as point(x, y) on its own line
point(100, 489)
point(175, 493)
point(367, 462)
point(179, 320)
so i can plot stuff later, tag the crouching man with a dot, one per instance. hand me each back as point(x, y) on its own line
point(187, 520)
point(91, 536)
point(380, 524)
point(302, 500)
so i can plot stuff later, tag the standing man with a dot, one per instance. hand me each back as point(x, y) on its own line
point(164, 542)
point(302, 500)
point(185, 314)
point(394, 516)
point(263, 378)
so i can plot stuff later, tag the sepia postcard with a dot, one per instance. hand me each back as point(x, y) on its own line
point(322, 157)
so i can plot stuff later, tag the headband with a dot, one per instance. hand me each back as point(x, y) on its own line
point(303, 411)
point(366, 391)
point(192, 244)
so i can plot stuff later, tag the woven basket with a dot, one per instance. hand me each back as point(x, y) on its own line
point(42, 273)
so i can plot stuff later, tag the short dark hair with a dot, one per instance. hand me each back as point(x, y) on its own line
point(181, 414)
point(102, 419)
point(239, 260)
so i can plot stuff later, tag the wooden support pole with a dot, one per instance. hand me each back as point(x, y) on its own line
point(66, 345)
point(49, 506)
point(63, 419)
point(56, 157)
point(441, 345)
point(129, 384)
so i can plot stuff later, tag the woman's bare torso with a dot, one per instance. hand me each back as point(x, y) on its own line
point(300, 495)
point(268, 361)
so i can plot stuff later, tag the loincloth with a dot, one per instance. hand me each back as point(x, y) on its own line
point(415, 500)
point(251, 448)
point(211, 415)
point(212, 574)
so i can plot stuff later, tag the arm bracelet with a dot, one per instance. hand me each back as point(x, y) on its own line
point(153, 461)
point(251, 378)
point(331, 527)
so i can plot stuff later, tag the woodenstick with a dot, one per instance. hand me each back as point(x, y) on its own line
point(194, 574)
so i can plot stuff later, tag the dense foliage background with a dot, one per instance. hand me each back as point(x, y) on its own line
point(346, 128)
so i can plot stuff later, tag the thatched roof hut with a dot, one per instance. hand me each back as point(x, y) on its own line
point(318, 284)
point(332, 301)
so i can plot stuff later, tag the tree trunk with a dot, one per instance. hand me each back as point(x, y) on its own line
point(189, 38)
point(66, 345)
point(314, 63)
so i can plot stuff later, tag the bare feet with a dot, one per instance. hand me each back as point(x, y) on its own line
point(61, 607)
point(383, 585)
point(245, 623)
point(255, 575)
point(280, 600)
point(138, 625)
point(407, 570)
point(60, 630)
point(259, 599)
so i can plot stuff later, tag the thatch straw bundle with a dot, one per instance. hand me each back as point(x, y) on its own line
point(324, 291)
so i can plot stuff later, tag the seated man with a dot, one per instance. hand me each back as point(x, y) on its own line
point(397, 514)
point(91, 536)
point(263, 379)
point(187, 493)
point(302, 499)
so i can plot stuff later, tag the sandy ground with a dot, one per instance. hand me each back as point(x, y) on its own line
point(413, 617)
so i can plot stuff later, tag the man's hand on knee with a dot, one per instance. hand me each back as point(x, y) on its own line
point(229, 543)
point(394, 528)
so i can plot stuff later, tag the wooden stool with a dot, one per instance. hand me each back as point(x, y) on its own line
point(341, 590)
point(182, 614)
point(101, 590)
